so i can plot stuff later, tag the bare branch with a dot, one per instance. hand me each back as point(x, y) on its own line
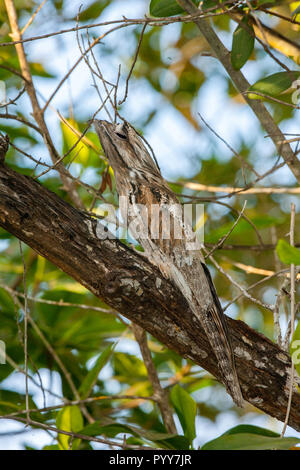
point(133, 63)
point(31, 19)
point(37, 112)
point(293, 303)
point(234, 191)
point(25, 334)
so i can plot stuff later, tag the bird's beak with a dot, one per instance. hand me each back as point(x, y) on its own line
point(101, 126)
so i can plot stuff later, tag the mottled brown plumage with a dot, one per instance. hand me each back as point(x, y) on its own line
point(138, 178)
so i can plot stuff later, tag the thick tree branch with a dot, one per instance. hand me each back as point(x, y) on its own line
point(126, 281)
point(275, 39)
point(242, 86)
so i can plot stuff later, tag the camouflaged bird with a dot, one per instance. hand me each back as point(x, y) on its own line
point(138, 179)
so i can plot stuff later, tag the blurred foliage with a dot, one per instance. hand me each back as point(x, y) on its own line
point(295, 348)
point(87, 340)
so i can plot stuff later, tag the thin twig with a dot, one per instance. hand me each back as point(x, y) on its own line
point(163, 21)
point(84, 401)
point(116, 94)
point(259, 30)
point(133, 64)
point(272, 98)
point(252, 286)
point(240, 158)
point(13, 100)
point(259, 271)
point(32, 379)
point(22, 120)
point(221, 242)
point(32, 17)
point(78, 435)
point(58, 303)
point(93, 72)
point(81, 136)
point(293, 290)
point(66, 76)
point(104, 82)
point(25, 333)
point(37, 112)
point(276, 313)
point(61, 365)
point(278, 15)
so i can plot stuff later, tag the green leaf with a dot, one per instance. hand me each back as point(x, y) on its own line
point(287, 254)
point(109, 428)
point(246, 441)
point(208, 4)
point(92, 376)
point(295, 348)
point(186, 409)
point(273, 85)
point(38, 69)
point(245, 436)
point(160, 8)
point(69, 419)
point(242, 45)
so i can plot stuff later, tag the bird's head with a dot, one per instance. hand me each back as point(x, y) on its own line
point(124, 147)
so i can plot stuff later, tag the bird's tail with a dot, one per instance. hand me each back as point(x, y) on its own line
point(212, 320)
point(215, 326)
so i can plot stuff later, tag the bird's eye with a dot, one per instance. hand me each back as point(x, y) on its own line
point(120, 132)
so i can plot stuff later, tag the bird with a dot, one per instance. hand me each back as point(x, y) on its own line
point(140, 183)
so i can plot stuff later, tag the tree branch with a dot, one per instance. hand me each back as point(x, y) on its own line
point(36, 109)
point(126, 281)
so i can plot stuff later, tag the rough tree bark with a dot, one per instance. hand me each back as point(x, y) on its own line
point(126, 281)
